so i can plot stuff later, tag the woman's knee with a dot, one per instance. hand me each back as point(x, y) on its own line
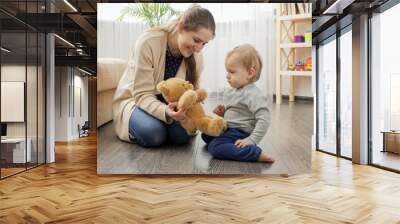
point(148, 131)
point(181, 140)
point(151, 139)
point(177, 134)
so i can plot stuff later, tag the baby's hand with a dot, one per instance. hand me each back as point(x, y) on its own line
point(219, 110)
point(241, 143)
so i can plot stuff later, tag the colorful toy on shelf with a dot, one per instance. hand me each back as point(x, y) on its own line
point(298, 39)
point(291, 67)
point(308, 64)
point(299, 66)
point(308, 37)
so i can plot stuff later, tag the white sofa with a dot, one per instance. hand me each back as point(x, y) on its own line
point(109, 72)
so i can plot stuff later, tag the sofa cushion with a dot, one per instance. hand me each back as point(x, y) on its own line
point(104, 106)
point(109, 71)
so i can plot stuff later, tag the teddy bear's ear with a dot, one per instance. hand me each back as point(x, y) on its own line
point(162, 87)
point(188, 85)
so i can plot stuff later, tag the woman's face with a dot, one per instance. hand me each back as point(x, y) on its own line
point(193, 41)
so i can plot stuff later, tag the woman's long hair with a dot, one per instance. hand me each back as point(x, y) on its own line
point(192, 19)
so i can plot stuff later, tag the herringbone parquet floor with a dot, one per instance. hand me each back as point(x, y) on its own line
point(70, 191)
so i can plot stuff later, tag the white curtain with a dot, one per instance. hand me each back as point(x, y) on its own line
point(236, 24)
point(115, 39)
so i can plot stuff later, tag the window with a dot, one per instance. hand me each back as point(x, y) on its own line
point(385, 88)
point(327, 96)
point(346, 93)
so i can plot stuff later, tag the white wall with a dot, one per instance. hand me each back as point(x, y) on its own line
point(66, 120)
point(80, 83)
point(61, 103)
point(14, 73)
point(17, 73)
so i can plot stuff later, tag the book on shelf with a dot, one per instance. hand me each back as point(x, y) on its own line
point(284, 11)
point(293, 7)
point(288, 9)
point(300, 6)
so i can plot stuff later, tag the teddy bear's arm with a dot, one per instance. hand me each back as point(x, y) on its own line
point(201, 95)
point(211, 126)
point(187, 100)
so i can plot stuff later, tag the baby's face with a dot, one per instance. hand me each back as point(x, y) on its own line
point(237, 75)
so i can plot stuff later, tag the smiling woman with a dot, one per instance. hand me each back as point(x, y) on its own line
point(170, 50)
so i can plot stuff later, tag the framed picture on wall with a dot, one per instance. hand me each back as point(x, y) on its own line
point(12, 101)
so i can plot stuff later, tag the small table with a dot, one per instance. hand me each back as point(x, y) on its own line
point(13, 150)
point(391, 141)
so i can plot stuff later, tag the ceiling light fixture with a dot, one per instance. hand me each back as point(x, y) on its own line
point(86, 72)
point(338, 6)
point(64, 40)
point(80, 51)
point(5, 50)
point(70, 5)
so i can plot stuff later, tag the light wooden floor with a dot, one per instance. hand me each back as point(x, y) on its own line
point(288, 141)
point(5, 172)
point(10, 171)
point(70, 191)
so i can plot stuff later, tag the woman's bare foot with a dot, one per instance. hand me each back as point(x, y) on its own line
point(265, 158)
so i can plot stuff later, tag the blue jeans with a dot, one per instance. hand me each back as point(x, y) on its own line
point(223, 146)
point(149, 131)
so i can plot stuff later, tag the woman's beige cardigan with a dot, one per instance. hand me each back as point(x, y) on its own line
point(137, 86)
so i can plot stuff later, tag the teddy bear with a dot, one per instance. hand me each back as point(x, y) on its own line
point(181, 91)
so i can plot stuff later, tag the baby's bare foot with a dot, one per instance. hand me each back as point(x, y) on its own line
point(265, 158)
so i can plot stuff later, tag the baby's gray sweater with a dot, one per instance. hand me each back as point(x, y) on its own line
point(247, 109)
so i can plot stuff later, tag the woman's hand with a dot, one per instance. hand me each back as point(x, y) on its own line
point(179, 115)
point(219, 110)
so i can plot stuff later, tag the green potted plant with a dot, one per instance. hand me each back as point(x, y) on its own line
point(154, 14)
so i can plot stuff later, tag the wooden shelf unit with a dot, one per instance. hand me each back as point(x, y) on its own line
point(295, 45)
point(297, 17)
point(286, 50)
point(296, 73)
